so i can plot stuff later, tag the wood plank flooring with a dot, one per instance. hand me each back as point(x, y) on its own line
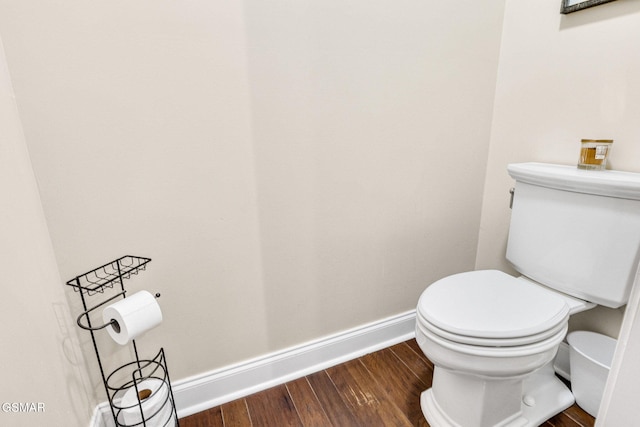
point(379, 389)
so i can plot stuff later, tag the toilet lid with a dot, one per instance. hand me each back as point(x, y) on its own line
point(490, 304)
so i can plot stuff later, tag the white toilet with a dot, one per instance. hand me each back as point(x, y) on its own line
point(575, 238)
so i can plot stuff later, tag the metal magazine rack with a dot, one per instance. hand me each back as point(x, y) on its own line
point(139, 392)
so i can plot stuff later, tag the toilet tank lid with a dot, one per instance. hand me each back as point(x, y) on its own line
point(624, 185)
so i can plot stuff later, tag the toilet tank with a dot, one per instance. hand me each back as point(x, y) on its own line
point(576, 231)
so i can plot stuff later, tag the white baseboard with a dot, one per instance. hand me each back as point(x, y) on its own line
point(102, 416)
point(210, 389)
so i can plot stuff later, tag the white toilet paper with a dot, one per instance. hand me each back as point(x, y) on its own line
point(158, 402)
point(134, 315)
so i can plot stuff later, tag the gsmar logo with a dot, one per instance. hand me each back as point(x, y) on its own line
point(23, 407)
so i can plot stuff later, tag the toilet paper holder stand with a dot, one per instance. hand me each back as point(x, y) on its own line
point(141, 371)
point(114, 323)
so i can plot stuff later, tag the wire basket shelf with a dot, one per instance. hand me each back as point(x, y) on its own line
point(108, 275)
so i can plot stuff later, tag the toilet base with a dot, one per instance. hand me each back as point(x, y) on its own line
point(550, 396)
point(543, 396)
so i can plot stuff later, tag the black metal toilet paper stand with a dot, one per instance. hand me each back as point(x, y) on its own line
point(126, 386)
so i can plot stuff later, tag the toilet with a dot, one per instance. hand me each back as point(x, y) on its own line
point(574, 237)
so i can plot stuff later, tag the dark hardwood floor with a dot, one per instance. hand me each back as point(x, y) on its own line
point(379, 389)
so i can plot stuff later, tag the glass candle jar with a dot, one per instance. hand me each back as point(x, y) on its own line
point(594, 153)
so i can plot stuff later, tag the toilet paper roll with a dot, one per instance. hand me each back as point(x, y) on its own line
point(152, 395)
point(134, 315)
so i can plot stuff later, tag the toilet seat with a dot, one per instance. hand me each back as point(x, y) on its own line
point(490, 351)
point(489, 308)
point(492, 342)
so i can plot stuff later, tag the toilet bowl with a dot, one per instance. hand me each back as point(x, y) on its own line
point(494, 361)
point(487, 333)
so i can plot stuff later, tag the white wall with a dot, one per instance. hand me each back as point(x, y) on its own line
point(41, 363)
point(289, 166)
point(360, 112)
point(561, 78)
point(139, 130)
